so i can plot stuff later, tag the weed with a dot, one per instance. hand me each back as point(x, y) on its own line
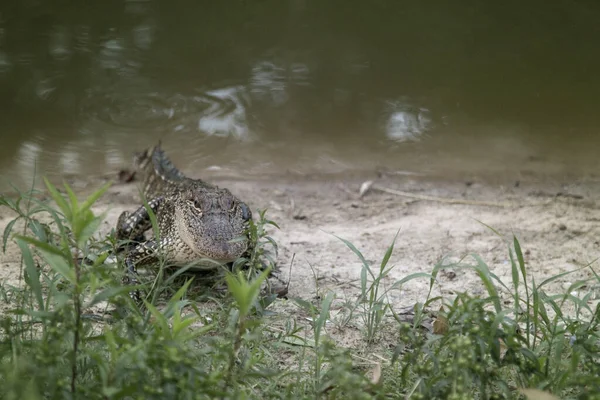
point(373, 298)
point(230, 347)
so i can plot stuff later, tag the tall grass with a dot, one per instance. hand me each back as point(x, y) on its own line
point(53, 345)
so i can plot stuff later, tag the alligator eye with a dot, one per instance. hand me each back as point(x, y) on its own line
point(200, 203)
point(246, 213)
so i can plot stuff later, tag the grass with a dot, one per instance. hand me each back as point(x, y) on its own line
point(235, 345)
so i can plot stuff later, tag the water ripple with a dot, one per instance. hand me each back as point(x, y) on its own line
point(226, 114)
point(406, 122)
point(218, 112)
point(270, 80)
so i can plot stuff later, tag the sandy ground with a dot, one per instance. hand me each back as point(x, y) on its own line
point(557, 224)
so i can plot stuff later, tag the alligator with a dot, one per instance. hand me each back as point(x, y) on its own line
point(198, 223)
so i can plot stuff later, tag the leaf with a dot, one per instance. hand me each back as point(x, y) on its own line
point(89, 229)
point(244, 292)
point(89, 202)
point(436, 270)
point(299, 341)
point(178, 272)
point(256, 283)
point(484, 274)
point(363, 281)
point(388, 253)
point(59, 199)
point(234, 285)
point(58, 264)
point(308, 307)
point(410, 277)
point(41, 245)
point(180, 292)
point(531, 357)
point(100, 258)
point(56, 216)
point(238, 239)
point(520, 258)
point(7, 232)
point(358, 253)
point(179, 324)
point(440, 324)
point(323, 315)
point(272, 241)
point(5, 201)
point(72, 198)
point(490, 228)
point(107, 294)
point(159, 318)
point(538, 305)
point(273, 223)
point(32, 273)
point(515, 273)
point(555, 277)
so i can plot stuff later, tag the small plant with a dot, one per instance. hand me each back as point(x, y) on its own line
point(464, 359)
point(484, 352)
point(49, 348)
point(373, 298)
point(54, 346)
point(319, 318)
point(258, 257)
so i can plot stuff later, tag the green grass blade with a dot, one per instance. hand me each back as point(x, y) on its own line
point(323, 315)
point(73, 199)
point(89, 202)
point(410, 277)
point(520, 258)
point(88, 229)
point(32, 273)
point(58, 199)
point(7, 231)
point(181, 292)
point(556, 277)
point(53, 256)
point(41, 245)
point(107, 294)
point(515, 272)
point(484, 274)
point(388, 253)
point(358, 254)
point(490, 228)
point(159, 319)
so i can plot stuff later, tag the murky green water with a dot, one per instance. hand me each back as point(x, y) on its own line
point(273, 86)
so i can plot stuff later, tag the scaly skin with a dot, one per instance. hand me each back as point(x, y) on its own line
point(197, 222)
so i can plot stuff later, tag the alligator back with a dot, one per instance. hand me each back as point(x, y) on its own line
point(160, 176)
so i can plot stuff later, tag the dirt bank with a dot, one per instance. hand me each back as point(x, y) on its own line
point(557, 224)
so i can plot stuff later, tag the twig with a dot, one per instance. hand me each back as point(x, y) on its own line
point(442, 199)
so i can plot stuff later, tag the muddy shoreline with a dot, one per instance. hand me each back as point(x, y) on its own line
point(557, 223)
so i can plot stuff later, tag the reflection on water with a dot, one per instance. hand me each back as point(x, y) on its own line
point(407, 122)
point(269, 81)
point(27, 156)
point(300, 86)
point(226, 115)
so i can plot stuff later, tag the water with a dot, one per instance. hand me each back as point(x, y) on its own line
point(261, 88)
